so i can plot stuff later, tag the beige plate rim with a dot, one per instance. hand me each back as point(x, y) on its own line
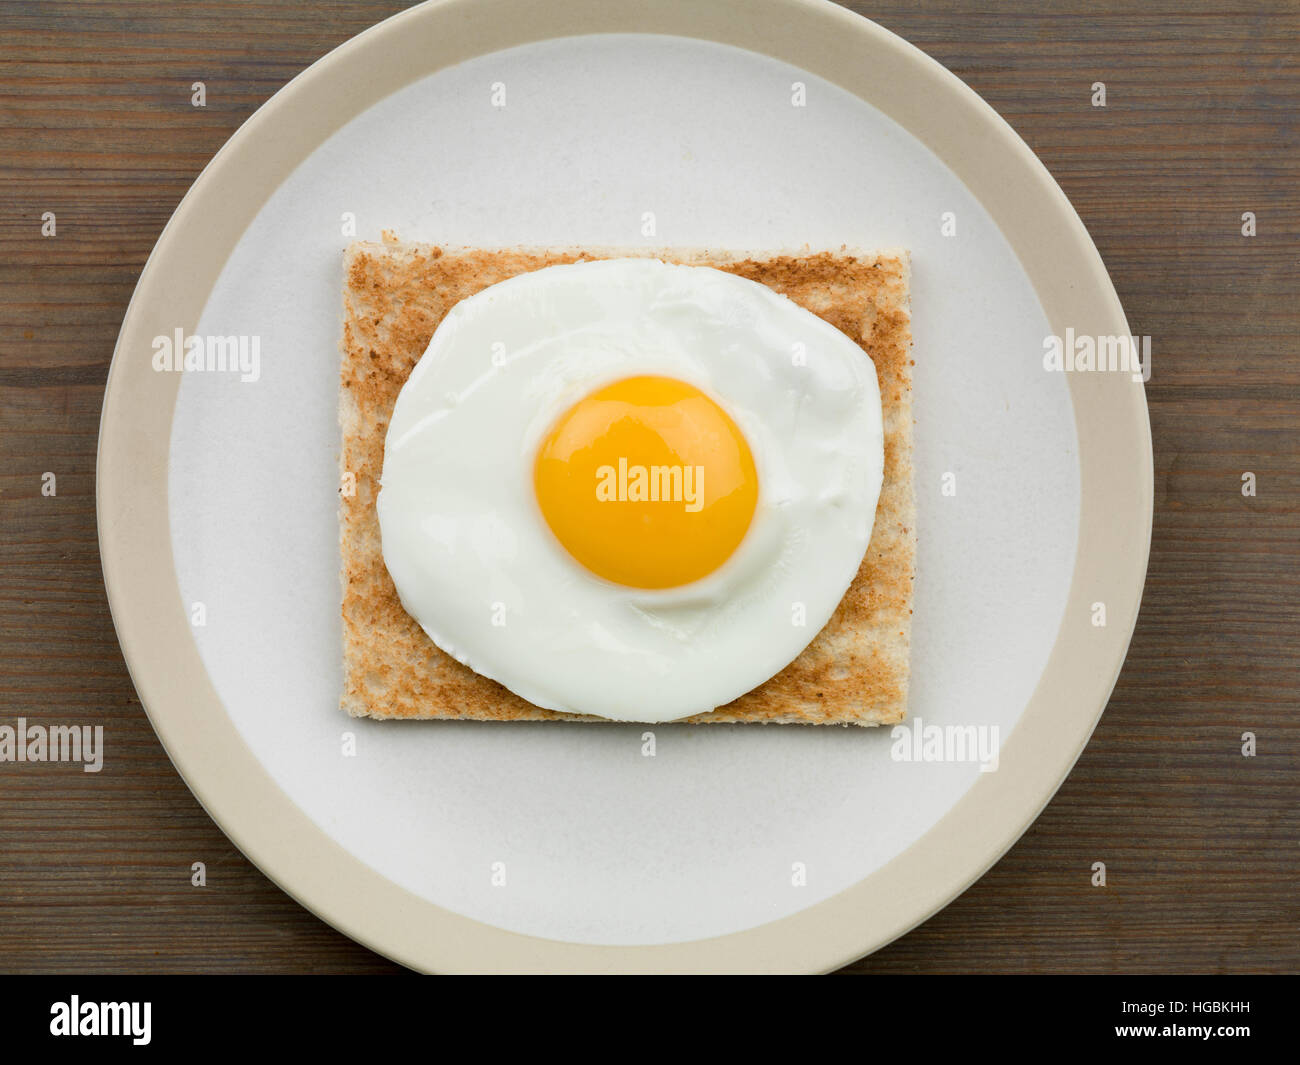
point(823, 39)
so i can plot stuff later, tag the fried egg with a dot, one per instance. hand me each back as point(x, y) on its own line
point(630, 488)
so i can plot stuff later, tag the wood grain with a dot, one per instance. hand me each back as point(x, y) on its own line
point(1202, 846)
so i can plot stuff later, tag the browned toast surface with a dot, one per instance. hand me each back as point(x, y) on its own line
point(855, 671)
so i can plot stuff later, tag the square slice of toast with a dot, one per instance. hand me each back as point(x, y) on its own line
point(854, 672)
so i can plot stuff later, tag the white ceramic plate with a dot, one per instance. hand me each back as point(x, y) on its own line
point(461, 846)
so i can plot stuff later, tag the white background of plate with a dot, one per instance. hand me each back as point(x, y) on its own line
point(601, 844)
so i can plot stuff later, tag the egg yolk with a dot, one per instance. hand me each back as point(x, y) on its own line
point(647, 482)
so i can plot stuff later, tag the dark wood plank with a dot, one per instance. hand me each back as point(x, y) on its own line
point(1200, 843)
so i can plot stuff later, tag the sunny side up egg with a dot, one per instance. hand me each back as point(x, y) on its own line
point(630, 488)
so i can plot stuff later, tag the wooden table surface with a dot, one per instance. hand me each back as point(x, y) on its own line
point(1201, 844)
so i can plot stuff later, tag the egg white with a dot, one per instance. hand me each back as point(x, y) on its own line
point(474, 561)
